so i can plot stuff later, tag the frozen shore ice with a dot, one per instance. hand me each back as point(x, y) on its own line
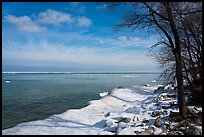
point(123, 111)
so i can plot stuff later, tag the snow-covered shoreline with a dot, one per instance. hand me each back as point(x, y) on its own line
point(124, 111)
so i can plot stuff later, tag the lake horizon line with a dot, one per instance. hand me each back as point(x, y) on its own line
point(80, 72)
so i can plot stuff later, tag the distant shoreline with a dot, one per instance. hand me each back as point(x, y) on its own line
point(81, 72)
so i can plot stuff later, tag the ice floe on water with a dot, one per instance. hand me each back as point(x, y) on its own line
point(154, 81)
point(147, 85)
point(7, 81)
point(130, 76)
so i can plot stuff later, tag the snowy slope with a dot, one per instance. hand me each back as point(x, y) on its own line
point(124, 111)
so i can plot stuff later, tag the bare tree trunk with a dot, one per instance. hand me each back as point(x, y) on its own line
point(177, 54)
point(180, 91)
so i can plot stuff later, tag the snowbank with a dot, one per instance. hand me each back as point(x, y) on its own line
point(123, 111)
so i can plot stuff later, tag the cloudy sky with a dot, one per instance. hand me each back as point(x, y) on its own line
point(71, 36)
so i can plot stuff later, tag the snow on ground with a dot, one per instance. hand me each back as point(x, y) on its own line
point(124, 111)
point(102, 94)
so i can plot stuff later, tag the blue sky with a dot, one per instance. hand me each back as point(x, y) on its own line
point(71, 36)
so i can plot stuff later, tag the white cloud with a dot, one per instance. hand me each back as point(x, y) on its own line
point(103, 6)
point(123, 38)
point(24, 23)
point(76, 7)
point(54, 17)
point(34, 24)
point(125, 41)
point(74, 4)
point(101, 41)
point(83, 21)
point(135, 39)
point(18, 20)
point(31, 28)
point(44, 51)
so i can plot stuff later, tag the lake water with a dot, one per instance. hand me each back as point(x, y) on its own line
point(34, 96)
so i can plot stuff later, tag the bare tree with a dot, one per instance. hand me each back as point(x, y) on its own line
point(166, 60)
point(189, 23)
point(169, 19)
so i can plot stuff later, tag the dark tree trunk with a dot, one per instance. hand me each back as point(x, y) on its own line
point(177, 54)
point(180, 91)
